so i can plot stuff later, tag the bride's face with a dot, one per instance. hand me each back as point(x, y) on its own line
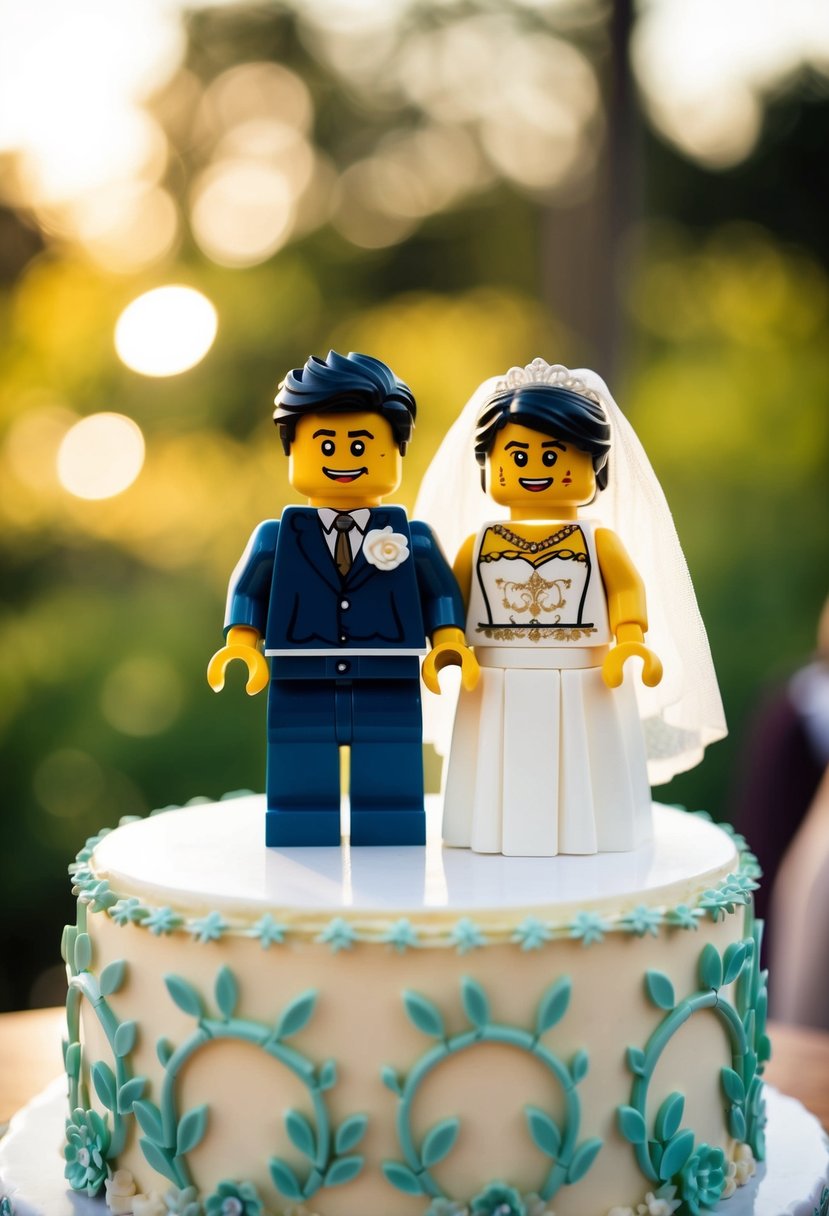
point(528, 468)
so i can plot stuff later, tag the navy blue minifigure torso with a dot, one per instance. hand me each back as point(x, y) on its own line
point(345, 672)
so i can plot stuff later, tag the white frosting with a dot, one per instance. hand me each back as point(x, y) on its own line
point(212, 856)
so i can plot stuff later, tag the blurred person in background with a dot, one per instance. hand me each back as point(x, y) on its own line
point(784, 760)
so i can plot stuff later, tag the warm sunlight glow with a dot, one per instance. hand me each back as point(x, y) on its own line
point(72, 80)
point(166, 331)
point(32, 443)
point(100, 456)
point(252, 91)
point(705, 67)
point(128, 227)
point(241, 212)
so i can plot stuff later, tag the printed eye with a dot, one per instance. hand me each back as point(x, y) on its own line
point(520, 458)
point(357, 447)
point(328, 448)
point(549, 458)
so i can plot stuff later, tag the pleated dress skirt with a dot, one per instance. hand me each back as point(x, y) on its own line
point(546, 760)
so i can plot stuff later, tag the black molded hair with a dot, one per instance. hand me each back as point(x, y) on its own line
point(342, 384)
point(559, 412)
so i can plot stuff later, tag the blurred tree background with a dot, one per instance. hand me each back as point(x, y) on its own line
point(455, 186)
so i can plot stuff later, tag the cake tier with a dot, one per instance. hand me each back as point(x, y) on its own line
point(389, 1032)
point(795, 1181)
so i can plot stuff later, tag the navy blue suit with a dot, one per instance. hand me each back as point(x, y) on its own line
point(344, 672)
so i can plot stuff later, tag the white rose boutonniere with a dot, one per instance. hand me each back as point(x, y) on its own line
point(385, 549)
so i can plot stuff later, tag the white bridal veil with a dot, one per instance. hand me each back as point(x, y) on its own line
point(684, 713)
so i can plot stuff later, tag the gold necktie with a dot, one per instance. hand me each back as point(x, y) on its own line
point(342, 549)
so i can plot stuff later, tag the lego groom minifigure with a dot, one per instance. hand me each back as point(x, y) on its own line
point(344, 592)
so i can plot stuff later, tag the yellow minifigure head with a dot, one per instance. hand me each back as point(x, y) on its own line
point(344, 422)
point(344, 460)
point(543, 449)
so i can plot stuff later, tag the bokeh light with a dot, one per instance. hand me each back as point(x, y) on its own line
point(100, 456)
point(705, 67)
point(142, 696)
point(257, 90)
point(241, 212)
point(71, 81)
point(128, 227)
point(67, 781)
point(166, 331)
point(32, 443)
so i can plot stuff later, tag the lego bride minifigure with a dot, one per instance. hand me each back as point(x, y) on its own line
point(549, 753)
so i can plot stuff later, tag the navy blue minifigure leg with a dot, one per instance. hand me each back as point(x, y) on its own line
point(387, 763)
point(303, 773)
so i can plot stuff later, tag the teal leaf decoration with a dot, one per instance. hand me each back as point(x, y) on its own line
point(343, 1170)
point(676, 1154)
point(655, 1152)
point(439, 1141)
point(297, 1015)
point(184, 995)
point(301, 1133)
point(191, 1130)
point(733, 961)
point(669, 1116)
point(83, 952)
point(737, 1123)
point(660, 990)
point(475, 1002)
point(328, 1075)
point(149, 1120)
point(710, 968)
point(636, 1061)
point(73, 1059)
point(583, 1158)
point(391, 1080)
point(67, 943)
point(112, 977)
point(632, 1125)
point(104, 1082)
point(284, 1178)
point(579, 1066)
point(124, 1039)
point(158, 1160)
point(748, 1024)
point(553, 1005)
point(400, 1176)
point(544, 1131)
point(350, 1132)
point(732, 1084)
point(227, 993)
point(424, 1016)
point(129, 1093)
point(164, 1051)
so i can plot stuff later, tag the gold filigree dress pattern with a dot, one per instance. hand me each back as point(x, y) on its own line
point(546, 603)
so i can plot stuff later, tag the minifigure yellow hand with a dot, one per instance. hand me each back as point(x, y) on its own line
point(242, 643)
point(630, 644)
point(450, 650)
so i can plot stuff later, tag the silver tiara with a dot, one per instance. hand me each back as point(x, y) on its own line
point(539, 372)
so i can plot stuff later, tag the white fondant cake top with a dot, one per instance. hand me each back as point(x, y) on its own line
point(212, 856)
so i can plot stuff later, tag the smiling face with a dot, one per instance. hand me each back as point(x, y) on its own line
point(538, 476)
point(344, 460)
